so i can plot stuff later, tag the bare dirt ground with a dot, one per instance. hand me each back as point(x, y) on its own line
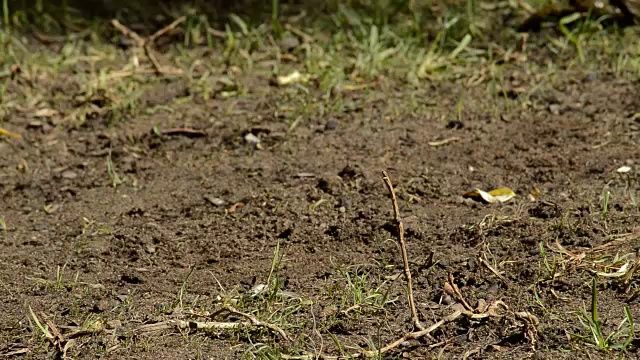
point(116, 217)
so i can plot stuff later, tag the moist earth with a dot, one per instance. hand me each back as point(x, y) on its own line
point(119, 220)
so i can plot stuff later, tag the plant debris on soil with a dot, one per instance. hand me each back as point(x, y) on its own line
point(218, 194)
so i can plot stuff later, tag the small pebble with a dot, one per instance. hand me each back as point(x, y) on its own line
point(251, 139)
point(102, 305)
point(289, 43)
point(331, 125)
point(114, 324)
point(214, 200)
point(455, 124)
point(69, 174)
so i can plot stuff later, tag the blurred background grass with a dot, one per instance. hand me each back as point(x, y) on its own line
point(416, 16)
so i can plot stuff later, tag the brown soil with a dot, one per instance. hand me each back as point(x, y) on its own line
point(132, 247)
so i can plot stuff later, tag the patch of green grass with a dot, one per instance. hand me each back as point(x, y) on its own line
point(618, 339)
point(3, 226)
point(59, 282)
point(116, 180)
point(356, 291)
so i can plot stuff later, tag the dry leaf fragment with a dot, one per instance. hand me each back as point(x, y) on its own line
point(10, 134)
point(45, 113)
point(623, 169)
point(443, 142)
point(499, 195)
point(353, 87)
point(293, 78)
point(621, 272)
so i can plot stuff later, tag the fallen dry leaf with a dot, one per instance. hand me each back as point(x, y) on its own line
point(443, 142)
point(45, 113)
point(499, 195)
point(10, 134)
point(294, 78)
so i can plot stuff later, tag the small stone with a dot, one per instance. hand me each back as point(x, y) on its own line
point(101, 306)
point(455, 124)
point(554, 109)
point(344, 202)
point(114, 324)
point(150, 249)
point(258, 289)
point(447, 300)
point(214, 200)
point(289, 43)
point(331, 125)
point(623, 169)
point(252, 139)
point(329, 311)
point(493, 289)
point(69, 174)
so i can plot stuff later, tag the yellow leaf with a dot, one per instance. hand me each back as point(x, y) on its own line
point(500, 195)
point(8, 133)
point(503, 194)
point(294, 78)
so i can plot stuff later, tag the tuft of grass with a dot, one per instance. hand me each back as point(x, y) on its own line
point(3, 226)
point(357, 292)
point(59, 282)
point(618, 339)
point(606, 197)
point(116, 180)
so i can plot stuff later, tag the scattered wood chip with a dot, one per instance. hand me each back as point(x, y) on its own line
point(45, 113)
point(188, 132)
point(294, 78)
point(353, 87)
point(234, 207)
point(443, 142)
point(16, 352)
point(623, 169)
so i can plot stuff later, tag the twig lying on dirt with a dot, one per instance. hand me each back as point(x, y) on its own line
point(494, 271)
point(490, 311)
point(403, 246)
point(128, 33)
point(208, 325)
point(188, 132)
point(147, 43)
point(63, 342)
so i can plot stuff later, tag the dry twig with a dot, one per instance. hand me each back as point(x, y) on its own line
point(403, 246)
point(252, 322)
point(147, 43)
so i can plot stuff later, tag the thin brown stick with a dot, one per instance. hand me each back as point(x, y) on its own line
point(128, 32)
point(494, 271)
point(154, 61)
point(373, 353)
point(147, 43)
point(209, 325)
point(165, 29)
point(458, 294)
point(403, 246)
point(257, 322)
